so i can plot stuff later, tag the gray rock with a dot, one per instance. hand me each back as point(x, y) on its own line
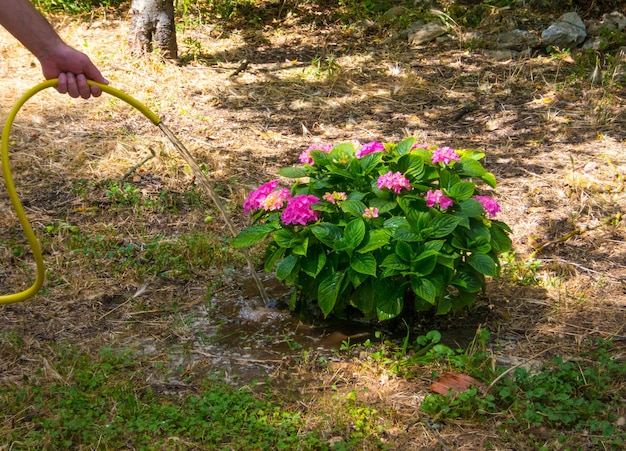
point(567, 32)
point(614, 21)
point(426, 33)
point(516, 40)
point(502, 54)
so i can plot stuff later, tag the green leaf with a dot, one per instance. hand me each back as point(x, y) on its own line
point(369, 162)
point(390, 300)
point(302, 247)
point(404, 251)
point(364, 297)
point(470, 208)
point(443, 225)
point(468, 282)
point(425, 289)
point(354, 233)
point(352, 207)
point(293, 172)
point(392, 261)
point(273, 259)
point(375, 239)
point(406, 234)
point(444, 306)
point(489, 179)
point(405, 146)
point(383, 205)
point(329, 234)
point(314, 263)
point(424, 263)
point(462, 190)
point(500, 240)
point(328, 291)
point(483, 264)
point(286, 266)
point(251, 235)
point(364, 264)
point(472, 168)
point(286, 238)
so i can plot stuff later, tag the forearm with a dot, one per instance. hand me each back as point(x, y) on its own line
point(23, 21)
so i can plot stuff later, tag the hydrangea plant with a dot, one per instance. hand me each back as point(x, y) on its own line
point(376, 226)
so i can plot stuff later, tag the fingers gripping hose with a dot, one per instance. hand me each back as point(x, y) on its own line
point(10, 186)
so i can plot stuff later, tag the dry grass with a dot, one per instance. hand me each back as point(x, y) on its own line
point(556, 145)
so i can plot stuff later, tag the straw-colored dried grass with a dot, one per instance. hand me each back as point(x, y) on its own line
point(560, 170)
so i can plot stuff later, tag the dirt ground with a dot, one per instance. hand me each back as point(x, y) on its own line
point(555, 142)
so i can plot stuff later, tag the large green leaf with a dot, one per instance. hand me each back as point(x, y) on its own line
point(425, 289)
point(328, 291)
point(462, 190)
point(393, 262)
point(364, 264)
point(287, 238)
point(286, 266)
point(472, 168)
point(468, 281)
point(406, 234)
point(369, 162)
point(251, 235)
point(405, 146)
point(352, 207)
point(443, 225)
point(329, 234)
point(404, 251)
point(375, 239)
point(483, 264)
point(470, 208)
point(390, 300)
point(314, 263)
point(424, 263)
point(354, 233)
point(293, 172)
point(489, 179)
point(500, 240)
point(271, 261)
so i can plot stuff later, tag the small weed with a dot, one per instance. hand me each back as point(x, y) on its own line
point(575, 395)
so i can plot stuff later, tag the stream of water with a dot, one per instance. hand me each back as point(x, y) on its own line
point(206, 184)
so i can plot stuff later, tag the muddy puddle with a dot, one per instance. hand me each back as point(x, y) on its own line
point(237, 335)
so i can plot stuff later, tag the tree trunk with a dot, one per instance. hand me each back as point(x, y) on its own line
point(152, 23)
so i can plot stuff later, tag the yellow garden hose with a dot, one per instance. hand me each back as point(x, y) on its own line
point(8, 179)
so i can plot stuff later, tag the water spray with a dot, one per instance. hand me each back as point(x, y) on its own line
point(23, 219)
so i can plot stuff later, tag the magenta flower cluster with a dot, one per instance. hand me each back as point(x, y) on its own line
point(369, 148)
point(305, 157)
point(444, 155)
point(394, 181)
point(254, 199)
point(490, 205)
point(437, 197)
point(299, 211)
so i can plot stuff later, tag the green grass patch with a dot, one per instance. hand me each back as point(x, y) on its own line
point(103, 401)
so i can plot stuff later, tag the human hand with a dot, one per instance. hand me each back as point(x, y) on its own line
point(73, 69)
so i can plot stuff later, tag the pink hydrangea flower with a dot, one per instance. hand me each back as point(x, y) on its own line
point(394, 181)
point(370, 212)
point(490, 205)
point(335, 197)
point(305, 157)
point(419, 146)
point(299, 211)
point(437, 198)
point(368, 148)
point(254, 199)
point(444, 155)
point(275, 200)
